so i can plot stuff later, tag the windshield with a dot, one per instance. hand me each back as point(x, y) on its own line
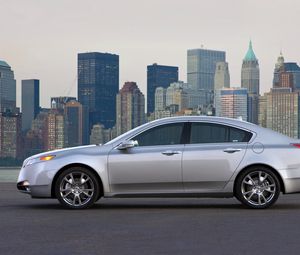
point(125, 134)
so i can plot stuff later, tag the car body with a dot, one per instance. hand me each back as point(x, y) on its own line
point(183, 156)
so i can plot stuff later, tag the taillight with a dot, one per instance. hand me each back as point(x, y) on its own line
point(296, 145)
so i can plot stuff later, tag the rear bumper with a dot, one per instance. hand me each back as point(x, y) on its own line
point(292, 185)
point(291, 180)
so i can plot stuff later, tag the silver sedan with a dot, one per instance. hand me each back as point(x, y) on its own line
point(171, 157)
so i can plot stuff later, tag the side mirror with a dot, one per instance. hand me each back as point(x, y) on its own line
point(127, 144)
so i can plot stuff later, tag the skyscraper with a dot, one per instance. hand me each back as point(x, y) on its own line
point(160, 99)
point(98, 85)
point(30, 102)
point(250, 81)
point(7, 88)
point(279, 111)
point(286, 74)
point(201, 67)
point(158, 76)
point(177, 95)
point(56, 130)
point(221, 80)
point(130, 107)
point(222, 77)
point(10, 135)
point(76, 123)
point(233, 103)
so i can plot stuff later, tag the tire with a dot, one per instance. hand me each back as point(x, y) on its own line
point(77, 188)
point(257, 187)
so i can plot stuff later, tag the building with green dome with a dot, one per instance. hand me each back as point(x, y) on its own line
point(250, 81)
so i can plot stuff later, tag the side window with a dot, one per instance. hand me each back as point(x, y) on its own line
point(162, 135)
point(208, 133)
point(238, 135)
point(217, 133)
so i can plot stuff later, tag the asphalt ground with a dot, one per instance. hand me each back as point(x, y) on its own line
point(147, 226)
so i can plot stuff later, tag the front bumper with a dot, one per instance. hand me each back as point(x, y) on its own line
point(36, 191)
point(36, 180)
point(24, 187)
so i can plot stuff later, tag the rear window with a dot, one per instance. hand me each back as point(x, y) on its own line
point(217, 133)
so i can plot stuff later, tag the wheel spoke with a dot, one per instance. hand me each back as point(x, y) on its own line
point(270, 191)
point(74, 200)
point(249, 198)
point(79, 200)
point(247, 192)
point(249, 181)
point(259, 199)
point(86, 193)
point(67, 193)
point(72, 178)
point(263, 197)
point(68, 181)
point(83, 181)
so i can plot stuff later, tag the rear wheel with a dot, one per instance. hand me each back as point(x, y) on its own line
point(77, 188)
point(257, 187)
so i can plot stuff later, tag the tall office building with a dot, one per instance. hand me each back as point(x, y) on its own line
point(222, 77)
point(233, 103)
point(10, 135)
point(130, 107)
point(250, 81)
point(30, 102)
point(201, 67)
point(286, 74)
point(221, 80)
point(279, 111)
point(76, 123)
point(7, 88)
point(98, 85)
point(160, 99)
point(177, 95)
point(36, 138)
point(158, 76)
point(56, 132)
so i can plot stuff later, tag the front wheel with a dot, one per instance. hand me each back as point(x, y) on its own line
point(257, 187)
point(77, 188)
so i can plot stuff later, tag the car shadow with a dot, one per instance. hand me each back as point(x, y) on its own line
point(161, 204)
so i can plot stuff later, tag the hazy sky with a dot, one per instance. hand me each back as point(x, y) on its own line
point(41, 38)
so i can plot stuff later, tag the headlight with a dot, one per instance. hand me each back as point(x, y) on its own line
point(39, 159)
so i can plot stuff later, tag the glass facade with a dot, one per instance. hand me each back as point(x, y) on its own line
point(158, 76)
point(7, 88)
point(98, 85)
point(232, 103)
point(201, 67)
point(30, 102)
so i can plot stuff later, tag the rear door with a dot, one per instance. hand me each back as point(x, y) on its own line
point(212, 155)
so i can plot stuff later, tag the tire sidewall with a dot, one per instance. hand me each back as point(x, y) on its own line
point(87, 172)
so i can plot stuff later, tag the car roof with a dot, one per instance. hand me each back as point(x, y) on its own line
point(263, 134)
point(230, 121)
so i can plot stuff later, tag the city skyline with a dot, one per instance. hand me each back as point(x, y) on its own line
point(33, 48)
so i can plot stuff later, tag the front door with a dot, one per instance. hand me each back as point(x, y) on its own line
point(154, 166)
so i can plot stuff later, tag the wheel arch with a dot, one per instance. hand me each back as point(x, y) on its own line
point(282, 187)
point(76, 165)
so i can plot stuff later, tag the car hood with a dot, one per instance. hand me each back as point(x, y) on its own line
point(61, 152)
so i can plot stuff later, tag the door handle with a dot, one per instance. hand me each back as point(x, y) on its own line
point(170, 153)
point(231, 150)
